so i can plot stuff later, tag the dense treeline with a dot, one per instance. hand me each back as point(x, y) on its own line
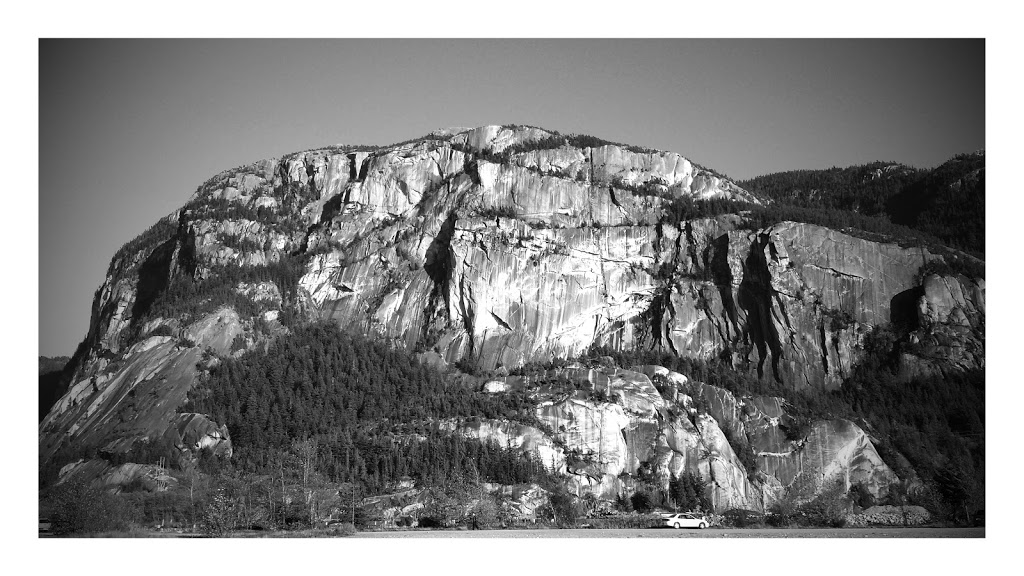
point(192, 298)
point(865, 189)
point(555, 140)
point(948, 203)
point(364, 402)
point(945, 205)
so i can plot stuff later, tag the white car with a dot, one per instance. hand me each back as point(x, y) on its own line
point(686, 520)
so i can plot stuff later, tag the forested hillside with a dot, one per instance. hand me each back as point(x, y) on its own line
point(946, 203)
point(373, 410)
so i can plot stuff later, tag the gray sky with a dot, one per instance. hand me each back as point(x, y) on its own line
point(130, 128)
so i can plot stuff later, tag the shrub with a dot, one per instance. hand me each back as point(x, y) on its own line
point(79, 508)
point(642, 502)
point(829, 507)
point(861, 496)
point(952, 265)
point(739, 518)
point(484, 513)
point(563, 506)
point(220, 515)
point(631, 521)
point(497, 212)
point(162, 330)
point(586, 141)
point(238, 343)
point(623, 504)
point(343, 529)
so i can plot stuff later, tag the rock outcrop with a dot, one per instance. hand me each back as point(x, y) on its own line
point(148, 477)
point(612, 427)
point(138, 397)
point(951, 327)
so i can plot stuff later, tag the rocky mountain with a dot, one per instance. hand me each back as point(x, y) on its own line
point(506, 257)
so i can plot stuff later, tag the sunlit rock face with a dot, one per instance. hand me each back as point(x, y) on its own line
point(101, 473)
point(951, 327)
point(476, 248)
point(138, 397)
point(484, 248)
point(505, 434)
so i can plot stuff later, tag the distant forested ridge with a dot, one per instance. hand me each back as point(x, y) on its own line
point(946, 203)
point(50, 371)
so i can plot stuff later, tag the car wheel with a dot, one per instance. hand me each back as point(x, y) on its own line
point(676, 525)
point(702, 526)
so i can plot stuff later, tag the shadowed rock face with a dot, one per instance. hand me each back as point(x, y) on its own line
point(460, 248)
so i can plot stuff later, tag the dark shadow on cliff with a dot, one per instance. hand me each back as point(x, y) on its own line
point(755, 296)
point(717, 263)
point(154, 277)
point(332, 208)
point(438, 263)
point(903, 309)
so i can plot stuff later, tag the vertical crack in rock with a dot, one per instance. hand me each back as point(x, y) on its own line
point(660, 313)
point(598, 248)
point(500, 321)
point(721, 274)
point(699, 262)
point(668, 308)
point(655, 316)
point(438, 263)
point(467, 309)
point(755, 298)
point(839, 357)
point(352, 174)
point(824, 346)
point(659, 234)
point(154, 277)
point(590, 165)
point(364, 168)
point(611, 193)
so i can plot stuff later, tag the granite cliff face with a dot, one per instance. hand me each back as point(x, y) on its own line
point(612, 427)
point(476, 248)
